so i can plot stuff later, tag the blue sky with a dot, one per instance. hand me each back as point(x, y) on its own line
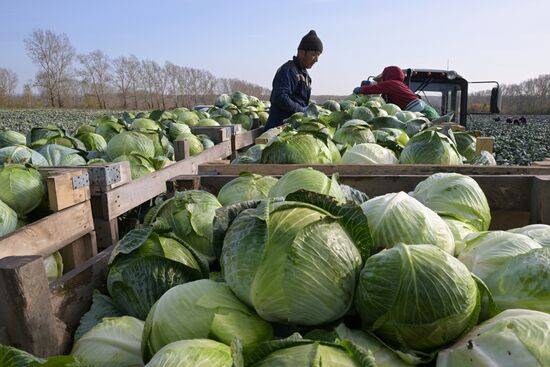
point(482, 40)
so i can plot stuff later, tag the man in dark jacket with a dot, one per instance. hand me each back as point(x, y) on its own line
point(292, 83)
point(395, 91)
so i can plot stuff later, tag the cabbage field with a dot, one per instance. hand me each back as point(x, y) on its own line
point(514, 144)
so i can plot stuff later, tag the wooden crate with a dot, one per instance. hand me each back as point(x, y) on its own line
point(39, 317)
point(515, 200)
point(27, 320)
point(543, 163)
point(114, 193)
point(223, 168)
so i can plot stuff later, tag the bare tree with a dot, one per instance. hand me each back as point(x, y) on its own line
point(8, 83)
point(96, 71)
point(125, 75)
point(54, 55)
point(27, 95)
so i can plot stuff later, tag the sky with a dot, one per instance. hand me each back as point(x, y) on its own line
point(505, 40)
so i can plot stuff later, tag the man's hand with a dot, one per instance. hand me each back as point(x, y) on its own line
point(357, 90)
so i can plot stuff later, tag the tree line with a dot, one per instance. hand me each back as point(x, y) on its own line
point(95, 80)
point(531, 96)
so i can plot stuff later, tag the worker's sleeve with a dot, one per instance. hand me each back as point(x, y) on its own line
point(284, 84)
point(380, 88)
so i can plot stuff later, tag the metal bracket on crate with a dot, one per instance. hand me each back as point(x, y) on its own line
point(104, 175)
point(79, 181)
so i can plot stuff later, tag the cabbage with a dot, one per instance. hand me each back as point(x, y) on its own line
point(13, 357)
point(130, 142)
point(188, 118)
point(307, 179)
point(331, 105)
point(242, 119)
point(362, 113)
point(466, 144)
point(430, 147)
point(523, 281)
point(293, 262)
point(537, 232)
point(10, 137)
point(144, 265)
point(484, 158)
point(222, 100)
point(368, 153)
point(84, 129)
point(59, 155)
point(189, 215)
point(263, 116)
point(109, 126)
point(22, 187)
point(239, 99)
point(195, 144)
point(354, 132)
point(251, 155)
point(486, 251)
point(193, 353)
point(93, 142)
point(139, 164)
point(145, 124)
point(207, 122)
point(8, 219)
point(457, 196)
point(398, 218)
point(247, 186)
point(391, 122)
point(175, 129)
point(512, 338)
point(21, 154)
point(405, 116)
point(53, 265)
point(416, 297)
point(201, 309)
point(390, 108)
point(459, 230)
point(297, 148)
point(114, 342)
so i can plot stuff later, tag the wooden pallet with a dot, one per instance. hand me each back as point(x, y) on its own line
point(515, 200)
point(39, 317)
point(223, 168)
point(543, 163)
point(240, 138)
point(27, 319)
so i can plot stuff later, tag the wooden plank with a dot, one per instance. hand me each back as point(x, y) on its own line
point(71, 295)
point(246, 138)
point(540, 201)
point(181, 150)
point(107, 233)
point(354, 169)
point(485, 143)
point(27, 312)
point(104, 178)
point(544, 163)
point(181, 183)
point(79, 251)
point(118, 201)
point(61, 191)
point(452, 125)
point(49, 234)
point(217, 134)
point(509, 193)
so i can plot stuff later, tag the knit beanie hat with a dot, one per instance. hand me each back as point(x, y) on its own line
point(310, 42)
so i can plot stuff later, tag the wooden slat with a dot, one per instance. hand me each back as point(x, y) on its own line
point(49, 234)
point(118, 201)
point(125, 176)
point(181, 150)
point(61, 193)
point(27, 313)
point(540, 201)
point(544, 163)
point(107, 233)
point(246, 138)
point(217, 134)
point(354, 169)
point(71, 295)
point(79, 251)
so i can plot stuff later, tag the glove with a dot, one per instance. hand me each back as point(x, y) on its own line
point(365, 82)
point(357, 90)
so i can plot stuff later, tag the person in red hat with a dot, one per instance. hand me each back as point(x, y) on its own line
point(292, 83)
point(394, 90)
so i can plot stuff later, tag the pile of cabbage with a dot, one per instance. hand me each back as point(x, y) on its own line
point(304, 271)
point(365, 130)
point(145, 139)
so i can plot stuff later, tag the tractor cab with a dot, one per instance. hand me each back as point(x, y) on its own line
point(447, 91)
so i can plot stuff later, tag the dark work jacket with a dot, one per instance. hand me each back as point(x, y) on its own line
point(290, 93)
